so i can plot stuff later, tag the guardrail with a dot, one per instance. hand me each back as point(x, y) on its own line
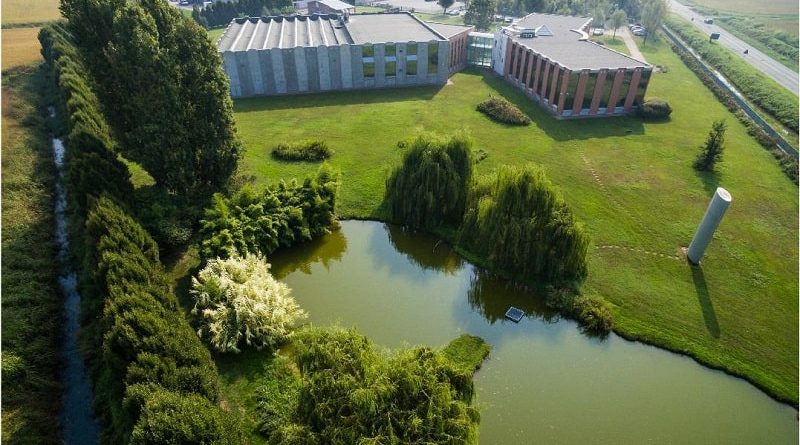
point(737, 97)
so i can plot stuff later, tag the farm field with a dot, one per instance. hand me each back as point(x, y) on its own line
point(632, 185)
point(20, 47)
point(748, 7)
point(17, 12)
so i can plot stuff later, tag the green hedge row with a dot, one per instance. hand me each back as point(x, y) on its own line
point(764, 92)
point(92, 166)
point(153, 380)
point(788, 164)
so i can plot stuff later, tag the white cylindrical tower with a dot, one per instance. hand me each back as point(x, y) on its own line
point(716, 210)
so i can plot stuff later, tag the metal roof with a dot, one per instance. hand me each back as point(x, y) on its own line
point(569, 45)
point(449, 30)
point(337, 5)
point(323, 30)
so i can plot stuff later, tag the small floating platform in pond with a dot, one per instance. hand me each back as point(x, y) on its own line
point(514, 314)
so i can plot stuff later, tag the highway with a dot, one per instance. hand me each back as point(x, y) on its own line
point(769, 66)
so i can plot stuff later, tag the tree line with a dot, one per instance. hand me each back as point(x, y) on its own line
point(153, 380)
point(221, 13)
point(161, 86)
point(481, 12)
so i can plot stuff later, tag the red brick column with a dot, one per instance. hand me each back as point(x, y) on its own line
point(614, 96)
point(545, 74)
point(637, 76)
point(580, 90)
point(599, 88)
point(562, 95)
point(553, 85)
point(536, 73)
point(507, 64)
point(529, 69)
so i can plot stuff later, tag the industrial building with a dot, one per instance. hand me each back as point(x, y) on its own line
point(549, 57)
point(324, 52)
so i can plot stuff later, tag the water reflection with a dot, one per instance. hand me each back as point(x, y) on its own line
point(324, 251)
point(424, 250)
point(491, 296)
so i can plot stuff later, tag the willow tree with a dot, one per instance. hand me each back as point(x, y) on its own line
point(430, 188)
point(520, 224)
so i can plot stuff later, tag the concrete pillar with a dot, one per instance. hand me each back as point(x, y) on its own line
point(380, 64)
point(637, 76)
point(276, 57)
point(401, 63)
point(357, 66)
point(716, 210)
point(444, 70)
point(422, 62)
point(229, 62)
point(267, 74)
point(324, 67)
point(580, 91)
point(599, 88)
point(254, 64)
point(346, 65)
point(562, 95)
point(619, 76)
point(301, 69)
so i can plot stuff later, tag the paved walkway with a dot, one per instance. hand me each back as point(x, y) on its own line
point(625, 33)
point(769, 66)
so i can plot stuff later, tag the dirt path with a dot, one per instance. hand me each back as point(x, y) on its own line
point(625, 33)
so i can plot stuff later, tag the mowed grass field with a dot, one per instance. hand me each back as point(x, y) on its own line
point(749, 6)
point(630, 183)
point(17, 12)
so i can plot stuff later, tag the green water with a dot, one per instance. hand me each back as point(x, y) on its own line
point(544, 382)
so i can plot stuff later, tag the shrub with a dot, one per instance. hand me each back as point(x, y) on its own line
point(521, 225)
point(348, 392)
point(280, 216)
point(242, 304)
point(711, 151)
point(592, 313)
point(169, 417)
point(655, 109)
point(501, 110)
point(312, 151)
point(430, 188)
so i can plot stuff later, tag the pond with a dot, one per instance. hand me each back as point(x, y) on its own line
point(544, 381)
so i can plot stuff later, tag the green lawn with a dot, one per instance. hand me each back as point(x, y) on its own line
point(32, 308)
point(632, 185)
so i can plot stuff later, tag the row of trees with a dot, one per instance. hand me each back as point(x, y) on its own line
point(163, 91)
point(481, 12)
point(348, 392)
point(153, 380)
point(221, 13)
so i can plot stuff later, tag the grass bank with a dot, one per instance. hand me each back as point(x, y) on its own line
point(31, 304)
point(630, 182)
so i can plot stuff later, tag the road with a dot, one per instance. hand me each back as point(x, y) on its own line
point(769, 66)
point(633, 49)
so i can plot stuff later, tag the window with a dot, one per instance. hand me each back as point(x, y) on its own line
point(609, 84)
point(623, 90)
point(640, 90)
point(433, 57)
point(367, 51)
point(369, 70)
point(411, 49)
point(571, 88)
point(391, 68)
point(411, 67)
point(591, 82)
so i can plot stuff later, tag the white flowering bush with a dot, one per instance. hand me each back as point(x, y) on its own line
point(241, 303)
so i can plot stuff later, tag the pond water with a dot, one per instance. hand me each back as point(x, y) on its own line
point(544, 381)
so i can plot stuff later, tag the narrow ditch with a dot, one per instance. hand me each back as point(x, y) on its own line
point(77, 417)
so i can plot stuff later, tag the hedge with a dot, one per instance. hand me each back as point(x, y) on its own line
point(501, 110)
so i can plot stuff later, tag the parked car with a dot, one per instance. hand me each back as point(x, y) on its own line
point(597, 31)
point(641, 32)
point(708, 21)
point(635, 25)
point(453, 12)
